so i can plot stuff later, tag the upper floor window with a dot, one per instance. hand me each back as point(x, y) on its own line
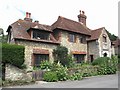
point(41, 35)
point(72, 38)
point(104, 39)
point(82, 39)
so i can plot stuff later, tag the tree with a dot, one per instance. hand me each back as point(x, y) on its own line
point(3, 38)
point(111, 36)
point(60, 54)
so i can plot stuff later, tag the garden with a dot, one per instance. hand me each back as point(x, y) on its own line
point(64, 67)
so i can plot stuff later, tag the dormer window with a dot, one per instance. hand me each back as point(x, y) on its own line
point(40, 35)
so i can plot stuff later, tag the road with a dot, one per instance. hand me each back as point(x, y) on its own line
point(105, 81)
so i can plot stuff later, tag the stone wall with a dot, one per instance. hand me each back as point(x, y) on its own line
point(105, 47)
point(29, 46)
point(93, 49)
point(13, 73)
point(73, 46)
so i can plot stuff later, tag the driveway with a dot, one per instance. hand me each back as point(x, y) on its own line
point(105, 81)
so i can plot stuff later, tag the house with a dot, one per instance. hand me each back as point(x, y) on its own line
point(117, 46)
point(99, 44)
point(40, 40)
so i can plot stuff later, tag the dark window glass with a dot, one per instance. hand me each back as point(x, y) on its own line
point(72, 38)
point(104, 39)
point(79, 58)
point(82, 39)
point(40, 35)
point(39, 58)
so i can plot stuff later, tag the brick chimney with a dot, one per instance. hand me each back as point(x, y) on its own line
point(36, 22)
point(82, 17)
point(28, 17)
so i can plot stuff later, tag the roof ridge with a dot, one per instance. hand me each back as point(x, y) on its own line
point(98, 28)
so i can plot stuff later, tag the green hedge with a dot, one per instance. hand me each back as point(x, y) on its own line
point(13, 54)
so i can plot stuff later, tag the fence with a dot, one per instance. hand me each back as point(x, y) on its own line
point(38, 75)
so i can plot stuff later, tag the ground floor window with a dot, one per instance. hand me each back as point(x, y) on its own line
point(40, 57)
point(79, 57)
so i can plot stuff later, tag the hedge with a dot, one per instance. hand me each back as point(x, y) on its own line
point(13, 54)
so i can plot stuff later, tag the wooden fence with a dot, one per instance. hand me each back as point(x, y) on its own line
point(38, 75)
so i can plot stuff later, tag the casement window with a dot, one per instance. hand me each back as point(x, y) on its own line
point(72, 38)
point(41, 35)
point(38, 58)
point(79, 58)
point(104, 39)
point(82, 39)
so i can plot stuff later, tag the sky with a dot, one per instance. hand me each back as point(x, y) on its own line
point(100, 13)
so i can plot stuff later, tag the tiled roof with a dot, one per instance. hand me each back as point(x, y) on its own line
point(70, 25)
point(20, 28)
point(117, 42)
point(95, 34)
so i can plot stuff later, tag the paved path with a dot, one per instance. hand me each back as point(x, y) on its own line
point(105, 81)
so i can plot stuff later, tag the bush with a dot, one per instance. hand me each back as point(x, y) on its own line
point(62, 72)
point(70, 61)
point(60, 54)
point(100, 61)
point(107, 65)
point(50, 76)
point(45, 65)
point(76, 76)
point(13, 54)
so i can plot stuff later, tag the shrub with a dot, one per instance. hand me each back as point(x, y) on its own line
point(71, 61)
point(107, 65)
point(50, 76)
point(13, 54)
point(100, 61)
point(45, 65)
point(76, 76)
point(62, 72)
point(60, 54)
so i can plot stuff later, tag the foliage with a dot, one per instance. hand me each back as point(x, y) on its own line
point(76, 76)
point(50, 76)
point(111, 36)
point(62, 72)
point(107, 65)
point(3, 39)
point(87, 69)
point(60, 54)
point(100, 61)
point(13, 54)
point(17, 82)
point(45, 64)
point(70, 61)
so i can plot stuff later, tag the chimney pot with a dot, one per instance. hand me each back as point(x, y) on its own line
point(27, 15)
point(36, 22)
point(80, 11)
point(83, 12)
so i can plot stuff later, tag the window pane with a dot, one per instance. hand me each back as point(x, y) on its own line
point(41, 35)
point(79, 58)
point(71, 37)
point(39, 58)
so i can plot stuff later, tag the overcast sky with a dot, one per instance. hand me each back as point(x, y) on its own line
point(100, 13)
